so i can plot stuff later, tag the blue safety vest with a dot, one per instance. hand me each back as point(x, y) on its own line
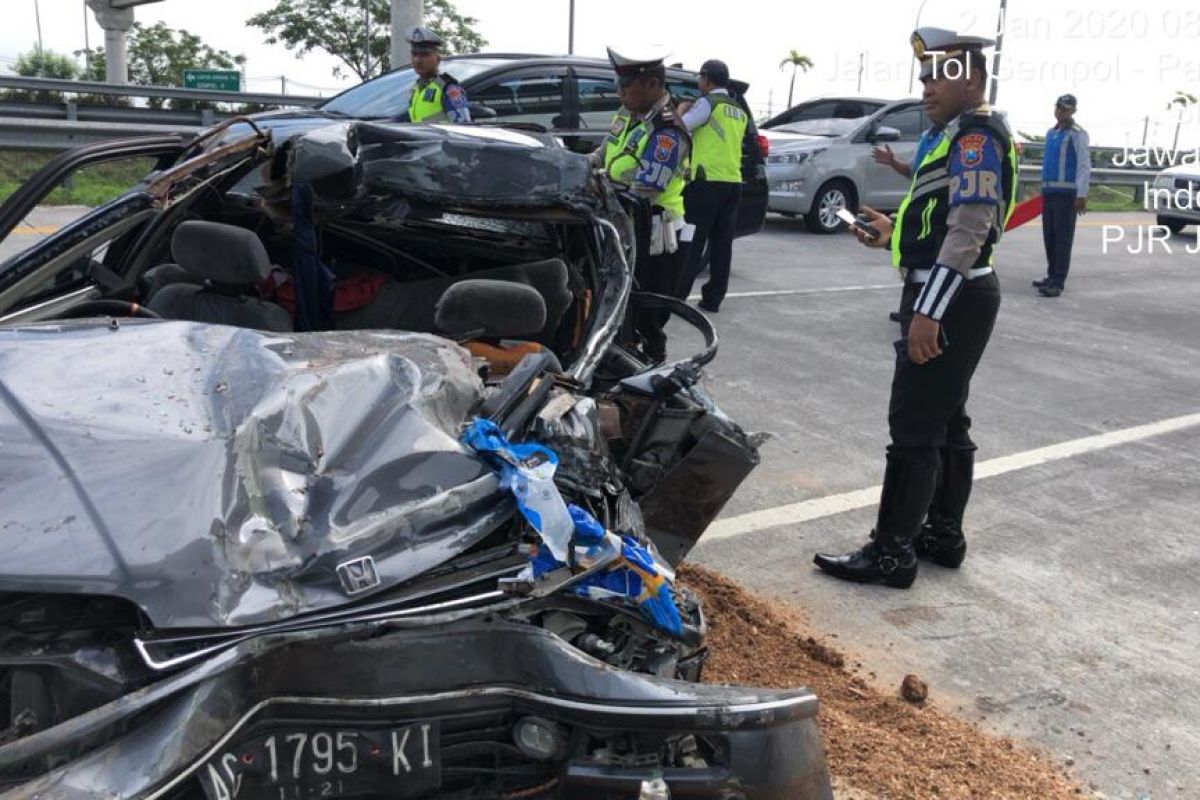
point(1060, 163)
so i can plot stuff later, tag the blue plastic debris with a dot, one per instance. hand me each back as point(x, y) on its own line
point(527, 470)
point(635, 575)
point(638, 576)
point(587, 530)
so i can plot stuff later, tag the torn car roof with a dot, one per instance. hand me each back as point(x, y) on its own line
point(439, 164)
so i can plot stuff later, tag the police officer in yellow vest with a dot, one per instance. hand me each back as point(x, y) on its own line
point(435, 97)
point(718, 125)
point(648, 149)
point(943, 241)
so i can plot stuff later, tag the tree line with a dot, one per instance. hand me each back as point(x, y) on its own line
point(356, 32)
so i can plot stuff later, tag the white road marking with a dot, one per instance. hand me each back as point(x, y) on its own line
point(797, 513)
point(829, 290)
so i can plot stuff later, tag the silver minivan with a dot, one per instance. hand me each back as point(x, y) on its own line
point(817, 167)
point(1175, 198)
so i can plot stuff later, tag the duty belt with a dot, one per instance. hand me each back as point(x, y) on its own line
point(922, 275)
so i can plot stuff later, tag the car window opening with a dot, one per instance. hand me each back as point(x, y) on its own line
point(231, 256)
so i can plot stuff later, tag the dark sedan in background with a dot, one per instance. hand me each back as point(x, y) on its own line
point(572, 97)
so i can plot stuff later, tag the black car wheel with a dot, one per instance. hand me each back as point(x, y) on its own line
point(830, 198)
point(1172, 224)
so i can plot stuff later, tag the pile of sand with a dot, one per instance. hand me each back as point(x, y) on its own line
point(877, 744)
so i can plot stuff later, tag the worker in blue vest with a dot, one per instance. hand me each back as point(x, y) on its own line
point(943, 241)
point(436, 96)
point(718, 125)
point(1066, 172)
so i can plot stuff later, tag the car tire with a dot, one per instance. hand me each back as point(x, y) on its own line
point(1172, 224)
point(828, 199)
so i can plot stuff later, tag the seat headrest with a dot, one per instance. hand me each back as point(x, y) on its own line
point(490, 310)
point(220, 253)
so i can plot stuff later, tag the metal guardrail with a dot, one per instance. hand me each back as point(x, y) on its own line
point(1031, 174)
point(70, 123)
point(166, 92)
point(53, 134)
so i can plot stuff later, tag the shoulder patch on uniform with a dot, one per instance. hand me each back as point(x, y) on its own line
point(618, 126)
point(970, 149)
point(454, 92)
point(975, 170)
point(664, 147)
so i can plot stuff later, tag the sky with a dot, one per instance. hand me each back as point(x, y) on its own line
point(1124, 61)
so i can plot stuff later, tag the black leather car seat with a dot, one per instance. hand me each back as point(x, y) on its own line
point(411, 305)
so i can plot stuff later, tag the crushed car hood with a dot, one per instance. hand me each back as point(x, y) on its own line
point(439, 164)
point(217, 476)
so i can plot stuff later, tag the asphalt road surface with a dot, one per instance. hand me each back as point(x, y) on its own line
point(1075, 622)
point(41, 222)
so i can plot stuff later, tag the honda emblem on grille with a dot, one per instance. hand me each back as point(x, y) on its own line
point(358, 576)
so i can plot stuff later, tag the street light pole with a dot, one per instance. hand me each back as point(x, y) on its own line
point(916, 24)
point(1002, 24)
point(571, 31)
point(87, 46)
point(406, 15)
point(37, 14)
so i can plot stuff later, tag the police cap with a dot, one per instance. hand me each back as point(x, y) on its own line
point(1067, 101)
point(423, 40)
point(932, 46)
point(629, 68)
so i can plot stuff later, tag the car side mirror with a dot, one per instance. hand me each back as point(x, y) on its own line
point(480, 111)
point(885, 133)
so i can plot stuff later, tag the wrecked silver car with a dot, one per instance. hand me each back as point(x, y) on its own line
point(328, 469)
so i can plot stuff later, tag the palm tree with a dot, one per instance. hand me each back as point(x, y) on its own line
point(1183, 100)
point(799, 61)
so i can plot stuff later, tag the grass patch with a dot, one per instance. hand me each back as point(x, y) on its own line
point(1100, 198)
point(90, 186)
point(1114, 198)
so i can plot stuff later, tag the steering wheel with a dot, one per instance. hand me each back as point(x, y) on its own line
point(110, 308)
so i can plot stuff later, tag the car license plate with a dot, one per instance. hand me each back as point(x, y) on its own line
point(310, 762)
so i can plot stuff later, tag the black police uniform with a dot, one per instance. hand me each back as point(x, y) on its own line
point(945, 235)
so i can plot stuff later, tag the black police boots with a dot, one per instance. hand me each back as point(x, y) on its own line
point(941, 538)
point(941, 542)
point(890, 557)
point(894, 566)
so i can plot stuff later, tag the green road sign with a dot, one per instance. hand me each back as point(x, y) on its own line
point(218, 80)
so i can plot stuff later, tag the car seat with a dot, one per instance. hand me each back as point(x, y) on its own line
point(227, 263)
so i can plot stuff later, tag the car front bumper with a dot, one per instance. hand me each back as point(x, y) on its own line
point(790, 188)
point(157, 743)
point(1176, 197)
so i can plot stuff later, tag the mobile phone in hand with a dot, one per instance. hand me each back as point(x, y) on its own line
point(857, 222)
point(901, 344)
